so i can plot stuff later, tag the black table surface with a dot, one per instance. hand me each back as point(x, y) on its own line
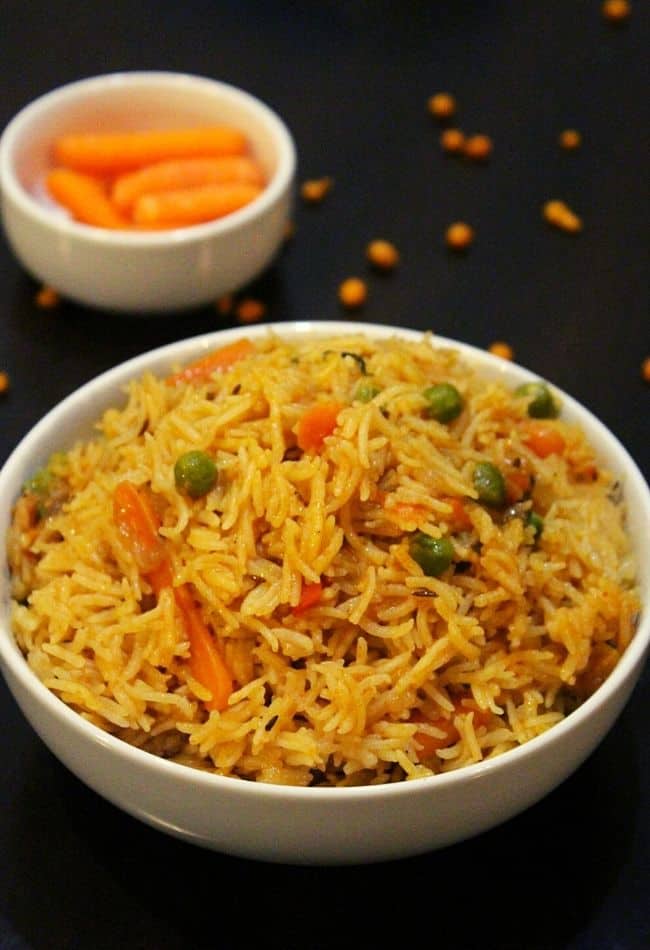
point(352, 80)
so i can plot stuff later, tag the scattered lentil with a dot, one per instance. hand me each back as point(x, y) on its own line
point(47, 298)
point(502, 349)
point(452, 140)
point(250, 310)
point(442, 105)
point(224, 305)
point(616, 11)
point(353, 293)
point(459, 236)
point(561, 216)
point(315, 189)
point(570, 139)
point(4, 381)
point(382, 254)
point(478, 148)
point(645, 369)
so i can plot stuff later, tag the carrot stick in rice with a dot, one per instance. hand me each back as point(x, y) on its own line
point(85, 198)
point(113, 153)
point(315, 424)
point(187, 206)
point(216, 362)
point(206, 663)
point(138, 524)
point(184, 173)
point(310, 595)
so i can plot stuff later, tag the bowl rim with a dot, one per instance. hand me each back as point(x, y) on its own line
point(13, 190)
point(113, 380)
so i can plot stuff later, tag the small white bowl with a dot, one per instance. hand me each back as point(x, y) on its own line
point(153, 271)
point(314, 825)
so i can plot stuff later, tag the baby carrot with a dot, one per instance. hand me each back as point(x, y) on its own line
point(85, 198)
point(216, 362)
point(316, 424)
point(184, 173)
point(193, 205)
point(115, 152)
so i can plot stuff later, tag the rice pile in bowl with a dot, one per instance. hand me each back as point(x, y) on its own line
point(401, 568)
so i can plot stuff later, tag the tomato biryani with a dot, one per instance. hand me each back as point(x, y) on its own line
point(325, 561)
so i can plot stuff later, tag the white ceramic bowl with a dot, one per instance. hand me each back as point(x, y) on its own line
point(313, 825)
point(154, 271)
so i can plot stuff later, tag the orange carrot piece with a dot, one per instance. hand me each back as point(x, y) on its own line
point(310, 594)
point(161, 577)
point(429, 744)
point(543, 439)
point(216, 362)
point(187, 206)
point(115, 152)
point(315, 424)
point(458, 520)
point(138, 524)
point(85, 198)
point(518, 484)
point(404, 511)
point(184, 173)
point(206, 663)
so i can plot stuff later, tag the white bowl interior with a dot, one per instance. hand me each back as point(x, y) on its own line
point(315, 825)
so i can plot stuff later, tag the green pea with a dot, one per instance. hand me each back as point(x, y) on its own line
point(40, 482)
point(195, 473)
point(434, 555)
point(490, 484)
point(365, 392)
point(445, 403)
point(535, 522)
point(541, 404)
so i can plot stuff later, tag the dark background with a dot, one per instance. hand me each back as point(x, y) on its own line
point(352, 80)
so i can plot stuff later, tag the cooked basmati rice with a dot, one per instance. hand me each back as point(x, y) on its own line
point(390, 673)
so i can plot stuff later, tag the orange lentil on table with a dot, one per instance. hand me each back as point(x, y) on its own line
point(315, 189)
point(502, 349)
point(558, 214)
point(47, 298)
point(645, 369)
point(570, 139)
point(353, 292)
point(250, 310)
point(382, 254)
point(224, 305)
point(459, 236)
point(452, 141)
point(616, 11)
point(478, 147)
point(4, 381)
point(442, 105)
